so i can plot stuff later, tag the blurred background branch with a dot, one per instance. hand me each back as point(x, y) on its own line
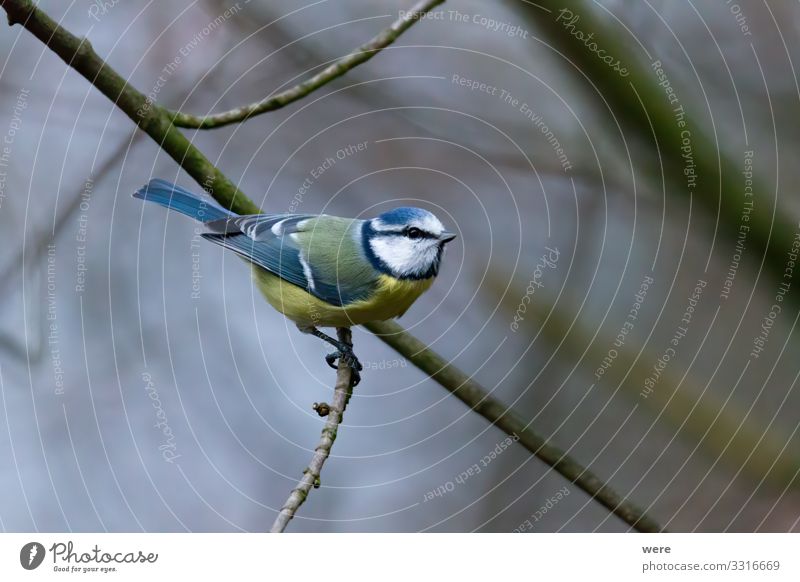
point(29, 259)
point(684, 158)
point(721, 428)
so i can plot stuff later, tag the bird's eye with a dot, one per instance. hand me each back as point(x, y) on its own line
point(414, 232)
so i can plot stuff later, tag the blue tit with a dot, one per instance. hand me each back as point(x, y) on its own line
point(320, 270)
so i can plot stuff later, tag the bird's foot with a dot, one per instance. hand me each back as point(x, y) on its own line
point(350, 359)
point(343, 350)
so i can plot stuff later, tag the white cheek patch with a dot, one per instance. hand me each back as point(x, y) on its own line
point(397, 252)
point(404, 256)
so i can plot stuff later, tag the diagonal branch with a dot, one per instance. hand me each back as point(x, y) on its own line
point(311, 475)
point(336, 69)
point(153, 120)
point(503, 417)
point(156, 122)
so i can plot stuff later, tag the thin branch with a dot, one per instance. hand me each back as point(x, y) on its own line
point(155, 121)
point(336, 69)
point(311, 475)
point(479, 400)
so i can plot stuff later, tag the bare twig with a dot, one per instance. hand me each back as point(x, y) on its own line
point(311, 474)
point(155, 121)
point(336, 69)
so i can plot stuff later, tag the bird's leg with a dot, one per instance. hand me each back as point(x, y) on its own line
point(343, 350)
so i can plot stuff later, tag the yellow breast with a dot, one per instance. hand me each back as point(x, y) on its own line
point(392, 298)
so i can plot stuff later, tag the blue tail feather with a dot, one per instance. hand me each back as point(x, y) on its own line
point(174, 197)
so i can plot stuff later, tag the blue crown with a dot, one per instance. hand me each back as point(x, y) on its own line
point(403, 215)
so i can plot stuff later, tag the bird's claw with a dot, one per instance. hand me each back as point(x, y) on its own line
point(350, 359)
point(331, 359)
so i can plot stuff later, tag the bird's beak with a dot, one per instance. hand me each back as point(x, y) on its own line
point(447, 236)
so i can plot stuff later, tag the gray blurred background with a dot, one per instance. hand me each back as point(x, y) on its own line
point(147, 386)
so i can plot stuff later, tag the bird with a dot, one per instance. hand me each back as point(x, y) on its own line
point(320, 270)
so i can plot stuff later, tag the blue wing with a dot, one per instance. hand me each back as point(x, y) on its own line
point(265, 240)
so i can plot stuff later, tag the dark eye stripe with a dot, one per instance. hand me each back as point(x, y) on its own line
point(404, 233)
point(414, 232)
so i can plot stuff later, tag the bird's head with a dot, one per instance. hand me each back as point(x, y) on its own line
point(406, 243)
